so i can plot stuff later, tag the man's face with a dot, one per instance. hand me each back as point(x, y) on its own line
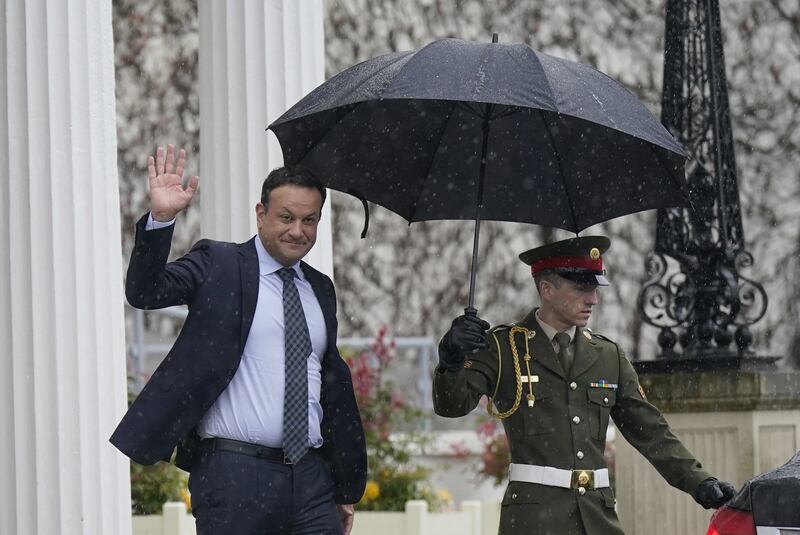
point(288, 225)
point(568, 303)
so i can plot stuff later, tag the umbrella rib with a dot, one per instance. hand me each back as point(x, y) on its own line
point(560, 170)
point(312, 146)
point(446, 123)
point(408, 57)
point(342, 100)
point(684, 193)
point(546, 78)
point(509, 110)
point(468, 106)
point(354, 106)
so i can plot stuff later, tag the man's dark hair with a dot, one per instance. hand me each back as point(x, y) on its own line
point(294, 175)
point(549, 276)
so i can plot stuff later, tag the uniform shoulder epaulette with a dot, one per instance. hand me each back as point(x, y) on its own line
point(601, 337)
point(500, 327)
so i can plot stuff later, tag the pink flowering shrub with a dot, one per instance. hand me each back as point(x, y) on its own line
point(495, 455)
point(393, 476)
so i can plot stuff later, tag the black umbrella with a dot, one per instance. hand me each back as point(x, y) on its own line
point(466, 130)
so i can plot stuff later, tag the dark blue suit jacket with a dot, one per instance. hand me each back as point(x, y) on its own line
point(219, 283)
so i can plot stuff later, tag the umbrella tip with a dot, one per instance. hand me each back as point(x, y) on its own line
point(494, 37)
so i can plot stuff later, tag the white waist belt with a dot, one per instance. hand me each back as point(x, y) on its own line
point(558, 477)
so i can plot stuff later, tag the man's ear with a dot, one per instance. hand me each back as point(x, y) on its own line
point(261, 211)
point(545, 289)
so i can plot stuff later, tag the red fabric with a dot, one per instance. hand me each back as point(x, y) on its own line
point(554, 262)
point(731, 522)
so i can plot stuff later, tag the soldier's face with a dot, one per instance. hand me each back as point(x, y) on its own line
point(288, 224)
point(568, 303)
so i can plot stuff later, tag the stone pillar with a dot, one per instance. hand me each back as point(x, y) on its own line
point(62, 340)
point(256, 60)
point(736, 423)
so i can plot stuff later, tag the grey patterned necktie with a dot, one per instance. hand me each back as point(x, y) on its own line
point(297, 350)
point(562, 339)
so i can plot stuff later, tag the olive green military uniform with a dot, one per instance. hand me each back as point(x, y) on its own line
point(564, 425)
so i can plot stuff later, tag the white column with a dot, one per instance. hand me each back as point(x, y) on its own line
point(257, 59)
point(62, 342)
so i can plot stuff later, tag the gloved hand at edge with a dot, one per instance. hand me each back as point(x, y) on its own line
point(712, 493)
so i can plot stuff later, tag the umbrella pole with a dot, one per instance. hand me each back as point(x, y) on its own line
point(471, 310)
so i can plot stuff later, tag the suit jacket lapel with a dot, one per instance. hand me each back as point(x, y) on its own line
point(585, 352)
point(542, 348)
point(248, 274)
point(326, 300)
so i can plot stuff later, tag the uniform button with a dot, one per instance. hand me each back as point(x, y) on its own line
point(579, 455)
point(605, 400)
point(573, 385)
point(514, 496)
point(576, 420)
point(581, 491)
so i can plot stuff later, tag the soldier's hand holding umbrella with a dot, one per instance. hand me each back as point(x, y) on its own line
point(467, 335)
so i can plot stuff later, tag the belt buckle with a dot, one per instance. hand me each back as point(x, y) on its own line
point(286, 460)
point(582, 479)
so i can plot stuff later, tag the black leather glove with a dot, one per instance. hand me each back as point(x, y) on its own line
point(467, 335)
point(713, 494)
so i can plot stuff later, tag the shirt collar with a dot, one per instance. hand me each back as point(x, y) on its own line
point(268, 265)
point(551, 331)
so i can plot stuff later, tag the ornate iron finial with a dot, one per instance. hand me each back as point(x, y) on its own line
point(695, 293)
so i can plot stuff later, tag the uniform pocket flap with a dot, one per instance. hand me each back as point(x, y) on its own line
point(605, 397)
point(519, 492)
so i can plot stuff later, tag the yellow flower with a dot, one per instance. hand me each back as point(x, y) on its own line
point(444, 495)
point(372, 491)
point(186, 497)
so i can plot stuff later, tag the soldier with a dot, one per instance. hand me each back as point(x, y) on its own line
point(555, 383)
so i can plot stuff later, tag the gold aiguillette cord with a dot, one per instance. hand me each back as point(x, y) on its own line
point(517, 372)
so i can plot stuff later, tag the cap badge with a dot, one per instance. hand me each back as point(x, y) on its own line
point(594, 254)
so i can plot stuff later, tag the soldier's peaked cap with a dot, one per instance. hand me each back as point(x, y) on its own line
point(578, 259)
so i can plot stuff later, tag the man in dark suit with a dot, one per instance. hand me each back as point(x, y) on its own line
point(554, 383)
point(253, 393)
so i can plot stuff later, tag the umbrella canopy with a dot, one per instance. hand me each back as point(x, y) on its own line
point(466, 130)
point(568, 146)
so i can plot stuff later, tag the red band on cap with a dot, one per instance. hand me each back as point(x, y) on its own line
point(555, 262)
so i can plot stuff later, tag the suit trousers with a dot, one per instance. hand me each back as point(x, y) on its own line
point(237, 494)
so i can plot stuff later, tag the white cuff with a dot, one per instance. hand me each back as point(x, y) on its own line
point(152, 224)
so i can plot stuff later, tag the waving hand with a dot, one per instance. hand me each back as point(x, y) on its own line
point(167, 194)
